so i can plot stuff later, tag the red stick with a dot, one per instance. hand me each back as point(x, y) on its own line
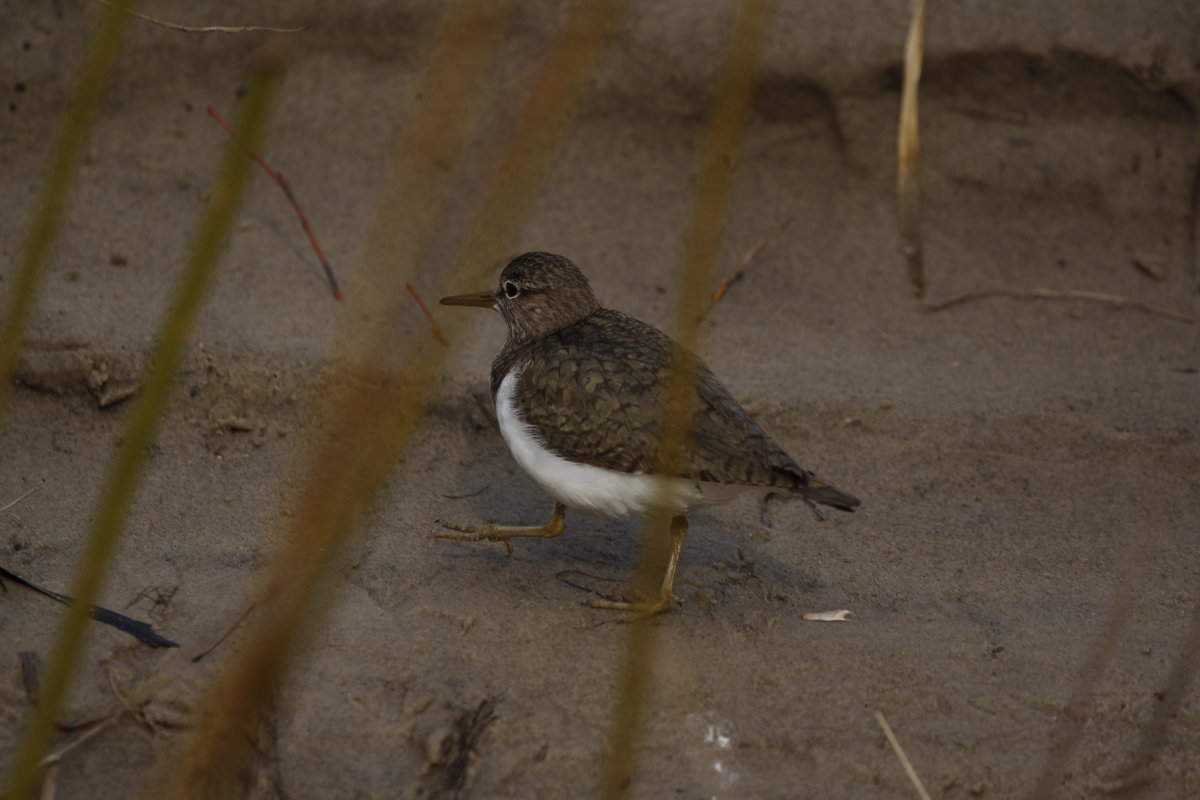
point(441, 337)
point(287, 190)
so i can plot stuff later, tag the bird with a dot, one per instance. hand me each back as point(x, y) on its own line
point(579, 391)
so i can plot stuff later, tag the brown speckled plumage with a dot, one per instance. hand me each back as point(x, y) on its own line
point(591, 381)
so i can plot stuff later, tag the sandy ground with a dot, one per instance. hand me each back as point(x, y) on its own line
point(1030, 469)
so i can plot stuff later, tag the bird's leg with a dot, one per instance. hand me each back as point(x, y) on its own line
point(503, 533)
point(643, 609)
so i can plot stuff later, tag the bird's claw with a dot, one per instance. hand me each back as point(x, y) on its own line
point(454, 527)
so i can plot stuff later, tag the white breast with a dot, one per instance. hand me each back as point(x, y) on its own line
point(596, 489)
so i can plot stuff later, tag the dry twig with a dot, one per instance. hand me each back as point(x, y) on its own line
point(904, 762)
point(283, 184)
point(49, 783)
point(5, 508)
point(1147, 269)
point(748, 259)
point(441, 337)
point(206, 28)
point(228, 631)
point(57, 755)
point(1116, 301)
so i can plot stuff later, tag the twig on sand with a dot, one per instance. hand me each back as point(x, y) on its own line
point(904, 762)
point(206, 28)
point(228, 631)
point(49, 764)
point(5, 508)
point(441, 337)
point(748, 259)
point(283, 184)
point(1147, 269)
point(57, 755)
point(1116, 301)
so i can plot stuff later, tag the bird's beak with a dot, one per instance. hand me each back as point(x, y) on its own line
point(476, 299)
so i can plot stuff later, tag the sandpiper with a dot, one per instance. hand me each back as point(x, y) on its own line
point(578, 393)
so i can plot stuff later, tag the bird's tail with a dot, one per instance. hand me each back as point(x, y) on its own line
point(819, 492)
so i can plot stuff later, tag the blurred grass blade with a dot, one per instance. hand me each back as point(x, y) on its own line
point(454, 76)
point(536, 132)
point(122, 480)
point(714, 184)
point(97, 64)
point(908, 155)
point(382, 390)
point(1071, 727)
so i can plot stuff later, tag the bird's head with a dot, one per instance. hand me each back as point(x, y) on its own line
point(539, 293)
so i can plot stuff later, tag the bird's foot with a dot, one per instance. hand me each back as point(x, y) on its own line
point(503, 533)
point(478, 533)
point(637, 609)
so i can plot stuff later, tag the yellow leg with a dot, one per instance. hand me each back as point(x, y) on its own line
point(502, 533)
point(649, 608)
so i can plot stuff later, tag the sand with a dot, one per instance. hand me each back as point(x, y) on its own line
point(1024, 573)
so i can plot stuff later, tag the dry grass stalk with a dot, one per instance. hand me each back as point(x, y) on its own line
point(904, 762)
point(204, 29)
point(1116, 301)
point(372, 413)
point(908, 146)
point(710, 198)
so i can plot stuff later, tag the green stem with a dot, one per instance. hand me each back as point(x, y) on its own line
point(98, 62)
point(122, 481)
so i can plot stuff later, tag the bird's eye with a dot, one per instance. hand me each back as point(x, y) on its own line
point(511, 289)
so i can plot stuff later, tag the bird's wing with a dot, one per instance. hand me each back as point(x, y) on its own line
point(593, 392)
